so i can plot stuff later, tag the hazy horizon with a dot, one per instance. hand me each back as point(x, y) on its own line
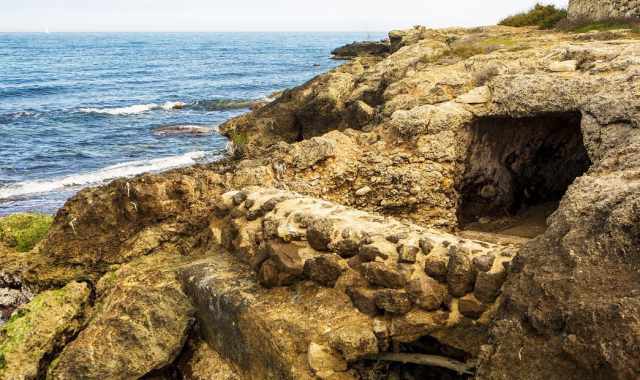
point(250, 15)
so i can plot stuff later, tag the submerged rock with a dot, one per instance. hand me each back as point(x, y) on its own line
point(190, 130)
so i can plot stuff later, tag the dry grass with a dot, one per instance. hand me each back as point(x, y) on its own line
point(485, 74)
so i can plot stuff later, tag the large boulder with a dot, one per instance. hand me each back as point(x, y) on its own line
point(140, 324)
point(263, 333)
point(38, 329)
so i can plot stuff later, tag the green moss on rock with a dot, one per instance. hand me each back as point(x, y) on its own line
point(37, 329)
point(24, 231)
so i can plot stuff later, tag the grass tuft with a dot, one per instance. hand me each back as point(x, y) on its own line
point(24, 231)
point(542, 16)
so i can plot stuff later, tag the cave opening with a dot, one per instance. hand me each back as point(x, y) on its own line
point(517, 170)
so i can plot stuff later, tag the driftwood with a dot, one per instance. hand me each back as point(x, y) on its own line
point(428, 360)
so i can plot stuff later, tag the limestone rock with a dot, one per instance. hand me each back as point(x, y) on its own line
point(200, 362)
point(382, 275)
point(283, 266)
point(393, 301)
point(416, 324)
point(426, 292)
point(461, 274)
point(596, 10)
point(354, 341)
point(325, 270)
point(470, 307)
point(364, 300)
point(319, 234)
point(309, 152)
point(140, 324)
point(407, 253)
point(363, 191)
point(436, 266)
point(564, 66)
point(324, 362)
point(478, 95)
point(488, 284)
point(362, 49)
point(271, 334)
point(370, 252)
point(38, 328)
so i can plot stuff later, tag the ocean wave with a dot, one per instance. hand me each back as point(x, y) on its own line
point(126, 169)
point(13, 116)
point(26, 91)
point(198, 105)
point(134, 109)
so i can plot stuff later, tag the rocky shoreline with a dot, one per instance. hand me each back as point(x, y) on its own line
point(461, 203)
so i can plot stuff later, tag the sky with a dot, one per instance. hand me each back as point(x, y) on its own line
point(251, 15)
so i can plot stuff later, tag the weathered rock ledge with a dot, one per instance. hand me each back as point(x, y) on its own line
point(337, 236)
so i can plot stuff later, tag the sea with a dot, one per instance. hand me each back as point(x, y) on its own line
point(82, 109)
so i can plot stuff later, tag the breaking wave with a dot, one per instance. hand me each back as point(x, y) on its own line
point(198, 105)
point(134, 109)
point(126, 169)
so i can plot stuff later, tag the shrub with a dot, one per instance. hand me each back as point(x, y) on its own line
point(585, 25)
point(543, 16)
point(484, 75)
point(24, 231)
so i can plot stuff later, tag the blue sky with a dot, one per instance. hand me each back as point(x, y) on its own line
point(251, 15)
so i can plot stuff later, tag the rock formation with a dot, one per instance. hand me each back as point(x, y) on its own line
point(362, 49)
point(363, 227)
point(600, 9)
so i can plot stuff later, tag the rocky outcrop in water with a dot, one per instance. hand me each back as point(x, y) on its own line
point(336, 243)
point(362, 49)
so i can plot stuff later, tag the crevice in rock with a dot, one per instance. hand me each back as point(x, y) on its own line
point(298, 127)
point(517, 170)
point(382, 370)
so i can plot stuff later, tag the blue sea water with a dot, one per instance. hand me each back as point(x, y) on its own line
point(79, 110)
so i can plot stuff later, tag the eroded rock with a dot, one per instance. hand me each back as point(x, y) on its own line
point(38, 328)
point(142, 320)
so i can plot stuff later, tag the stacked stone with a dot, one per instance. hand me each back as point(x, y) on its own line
point(386, 267)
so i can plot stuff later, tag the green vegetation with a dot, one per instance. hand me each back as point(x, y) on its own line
point(585, 26)
point(543, 16)
point(240, 139)
point(476, 45)
point(37, 327)
point(24, 231)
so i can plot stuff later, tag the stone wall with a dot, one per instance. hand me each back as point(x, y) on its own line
point(408, 273)
point(598, 9)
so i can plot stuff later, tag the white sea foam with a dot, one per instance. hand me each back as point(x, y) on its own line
point(126, 169)
point(173, 105)
point(134, 109)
